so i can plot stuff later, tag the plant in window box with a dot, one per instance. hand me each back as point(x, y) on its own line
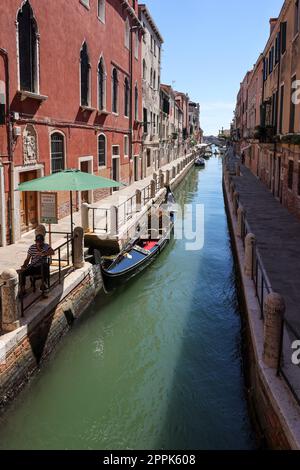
point(259, 132)
point(291, 139)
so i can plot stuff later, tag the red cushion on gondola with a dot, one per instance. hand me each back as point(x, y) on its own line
point(149, 245)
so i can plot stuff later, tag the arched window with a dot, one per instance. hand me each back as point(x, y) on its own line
point(136, 103)
point(28, 49)
point(57, 152)
point(101, 150)
point(127, 33)
point(144, 70)
point(101, 86)
point(126, 97)
point(115, 90)
point(101, 10)
point(85, 76)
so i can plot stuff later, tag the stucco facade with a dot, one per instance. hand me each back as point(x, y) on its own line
point(65, 35)
point(271, 140)
point(151, 72)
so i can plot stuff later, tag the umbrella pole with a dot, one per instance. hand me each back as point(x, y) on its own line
point(71, 204)
point(72, 241)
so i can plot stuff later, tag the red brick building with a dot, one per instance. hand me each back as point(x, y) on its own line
point(70, 94)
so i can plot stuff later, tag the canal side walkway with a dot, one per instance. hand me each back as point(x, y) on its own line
point(13, 256)
point(273, 401)
point(277, 235)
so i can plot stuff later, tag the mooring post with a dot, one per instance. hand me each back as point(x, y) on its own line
point(274, 309)
point(78, 248)
point(9, 298)
point(249, 250)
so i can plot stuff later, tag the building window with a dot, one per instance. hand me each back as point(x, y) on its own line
point(136, 103)
point(151, 77)
point(144, 70)
point(281, 109)
point(101, 10)
point(28, 49)
point(154, 47)
point(145, 119)
point(136, 49)
point(290, 174)
point(126, 146)
point(115, 90)
point(293, 106)
point(85, 76)
point(101, 86)
point(102, 150)
point(86, 3)
point(126, 97)
point(144, 35)
point(296, 18)
point(57, 152)
point(127, 33)
point(148, 158)
point(154, 79)
point(283, 34)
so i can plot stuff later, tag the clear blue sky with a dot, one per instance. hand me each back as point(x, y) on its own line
point(209, 46)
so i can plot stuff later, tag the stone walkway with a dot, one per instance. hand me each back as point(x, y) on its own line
point(13, 256)
point(278, 238)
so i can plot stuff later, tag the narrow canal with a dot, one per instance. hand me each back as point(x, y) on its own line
point(157, 365)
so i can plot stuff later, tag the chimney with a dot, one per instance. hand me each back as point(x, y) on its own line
point(273, 22)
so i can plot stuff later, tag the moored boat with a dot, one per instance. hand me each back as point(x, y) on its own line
point(200, 162)
point(139, 253)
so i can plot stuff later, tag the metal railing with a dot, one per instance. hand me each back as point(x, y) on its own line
point(146, 194)
point(126, 210)
point(290, 333)
point(100, 224)
point(63, 259)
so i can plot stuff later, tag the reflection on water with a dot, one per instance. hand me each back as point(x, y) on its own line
point(155, 365)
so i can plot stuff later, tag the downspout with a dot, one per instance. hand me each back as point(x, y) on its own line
point(130, 106)
point(9, 129)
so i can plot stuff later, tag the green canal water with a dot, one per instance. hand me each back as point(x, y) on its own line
point(158, 364)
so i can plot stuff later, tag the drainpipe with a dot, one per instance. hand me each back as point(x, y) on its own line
point(9, 130)
point(131, 108)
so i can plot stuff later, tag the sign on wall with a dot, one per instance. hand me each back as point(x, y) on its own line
point(49, 208)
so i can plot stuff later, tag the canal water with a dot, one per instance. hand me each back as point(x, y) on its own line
point(156, 365)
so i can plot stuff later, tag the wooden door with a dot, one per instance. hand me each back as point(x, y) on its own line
point(28, 204)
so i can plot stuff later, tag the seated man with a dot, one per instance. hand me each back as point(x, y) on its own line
point(36, 262)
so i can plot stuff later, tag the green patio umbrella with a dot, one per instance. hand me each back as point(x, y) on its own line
point(69, 180)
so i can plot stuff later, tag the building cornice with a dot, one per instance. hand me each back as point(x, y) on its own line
point(143, 9)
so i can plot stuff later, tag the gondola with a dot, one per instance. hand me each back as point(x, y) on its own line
point(135, 257)
point(200, 162)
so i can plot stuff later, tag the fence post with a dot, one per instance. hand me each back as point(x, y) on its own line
point(155, 178)
point(152, 189)
point(178, 168)
point(162, 181)
point(168, 177)
point(114, 220)
point(274, 310)
point(85, 217)
point(173, 172)
point(231, 191)
point(138, 198)
point(9, 297)
point(78, 258)
point(249, 247)
point(240, 218)
point(235, 202)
